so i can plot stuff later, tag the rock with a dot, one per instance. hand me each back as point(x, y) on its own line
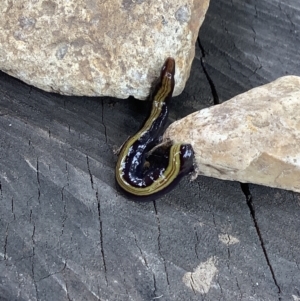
point(95, 48)
point(253, 137)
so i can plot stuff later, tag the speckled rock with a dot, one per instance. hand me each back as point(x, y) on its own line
point(253, 137)
point(95, 47)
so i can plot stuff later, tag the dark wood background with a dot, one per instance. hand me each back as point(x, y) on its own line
point(66, 233)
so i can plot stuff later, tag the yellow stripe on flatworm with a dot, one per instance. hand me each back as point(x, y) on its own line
point(165, 89)
point(158, 100)
point(163, 181)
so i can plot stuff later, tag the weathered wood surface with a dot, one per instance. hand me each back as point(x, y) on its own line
point(66, 234)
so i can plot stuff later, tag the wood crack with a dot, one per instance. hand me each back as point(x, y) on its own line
point(90, 173)
point(5, 243)
point(159, 242)
point(247, 193)
point(38, 180)
point(101, 237)
point(102, 121)
point(64, 217)
point(100, 221)
point(209, 79)
point(32, 262)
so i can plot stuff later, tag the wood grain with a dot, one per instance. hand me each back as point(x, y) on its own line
point(66, 234)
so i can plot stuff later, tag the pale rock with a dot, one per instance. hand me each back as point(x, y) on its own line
point(253, 137)
point(98, 47)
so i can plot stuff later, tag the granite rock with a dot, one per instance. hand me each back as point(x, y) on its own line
point(253, 137)
point(98, 47)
